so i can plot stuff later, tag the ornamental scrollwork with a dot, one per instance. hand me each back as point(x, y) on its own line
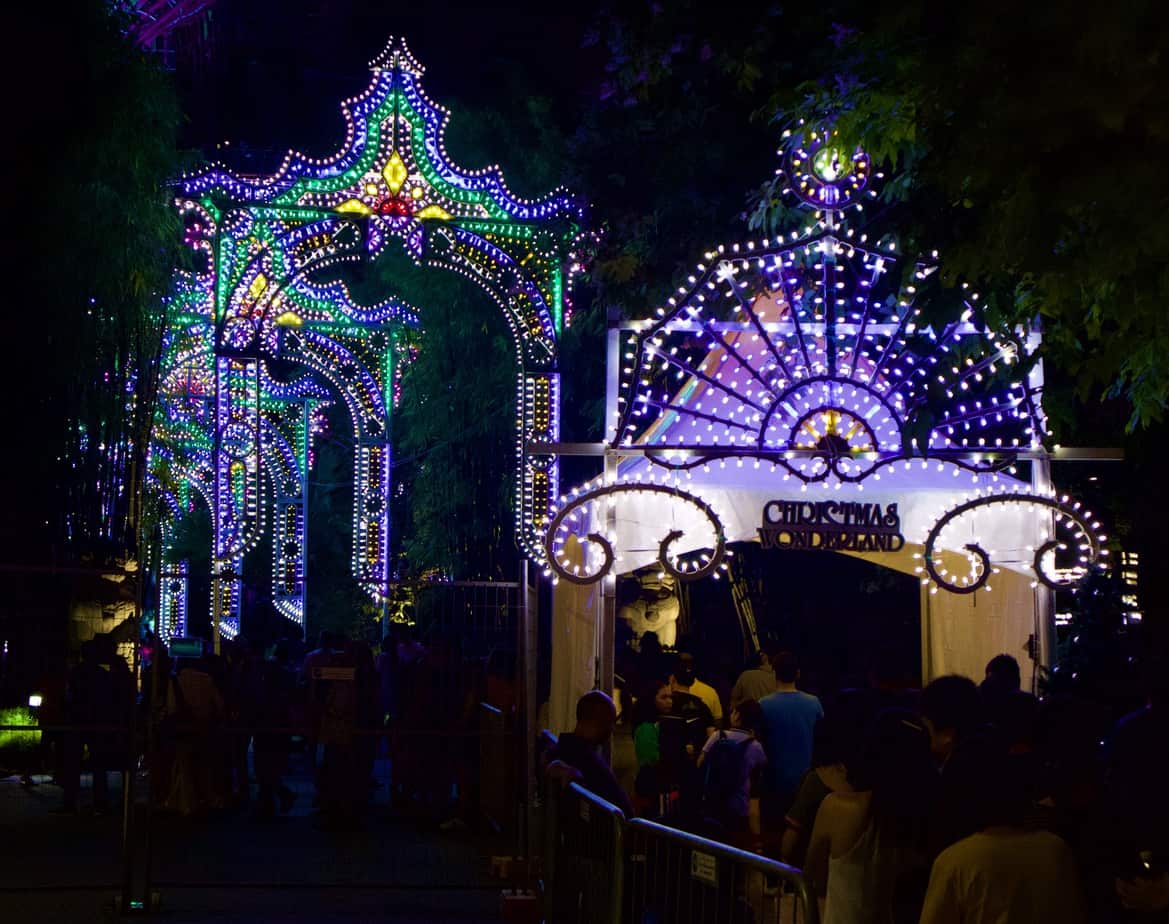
point(1073, 534)
point(587, 510)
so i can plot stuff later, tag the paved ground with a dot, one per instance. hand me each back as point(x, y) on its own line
point(64, 867)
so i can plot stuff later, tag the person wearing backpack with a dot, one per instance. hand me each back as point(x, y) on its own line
point(728, 769)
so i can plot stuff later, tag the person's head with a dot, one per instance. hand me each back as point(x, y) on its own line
point(894, 764)
point(1016, 721)
point(1002, 675)
point(787, 668)
point(829, 742)
point(951, 708)
point(683, 676)
point(748, 716)
point(990, 783)
point(888, 670)
point(595, 717)
point(769, 653)
point(650, 644)
point(655, 698)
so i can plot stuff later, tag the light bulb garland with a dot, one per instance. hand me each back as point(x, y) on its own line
point(263, 245)
point(600, 548)
point(1071, 530)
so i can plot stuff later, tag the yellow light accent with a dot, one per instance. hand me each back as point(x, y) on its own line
point(433, 211)
point(371, 189)
point(354, 205)
point(394, 173)
point(416, 192)
point(289, 319)
point(259, 284)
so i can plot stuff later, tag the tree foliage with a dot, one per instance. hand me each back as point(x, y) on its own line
point(1024, 143)
point(99, 241)
point(335, 600)
point(453, 428)
point(1028, 144)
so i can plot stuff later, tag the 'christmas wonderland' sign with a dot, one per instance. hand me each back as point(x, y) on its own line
point(841, 526)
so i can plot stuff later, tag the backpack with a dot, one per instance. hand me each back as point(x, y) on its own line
point(722, 773)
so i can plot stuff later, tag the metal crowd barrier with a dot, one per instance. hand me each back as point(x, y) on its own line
point(677, 878)
point(585, 866)
point(498, 792)
point(601, 868)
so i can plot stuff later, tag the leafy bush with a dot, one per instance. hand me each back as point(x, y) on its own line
point(18, 740)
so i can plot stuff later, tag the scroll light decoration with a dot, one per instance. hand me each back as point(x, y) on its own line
point(1073, 529)
point(585, 507)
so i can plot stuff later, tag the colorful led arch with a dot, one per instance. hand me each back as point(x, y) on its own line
point(267, 244)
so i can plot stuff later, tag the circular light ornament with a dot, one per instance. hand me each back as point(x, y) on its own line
point(830, 166)
point(824, 174)
point(835, 431)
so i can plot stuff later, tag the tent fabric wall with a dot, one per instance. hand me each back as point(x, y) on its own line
point(575, 628)
point(961, 632)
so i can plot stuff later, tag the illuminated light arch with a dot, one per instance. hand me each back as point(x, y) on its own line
point(268, 240)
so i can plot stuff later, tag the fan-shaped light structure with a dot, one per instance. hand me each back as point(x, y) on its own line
point(826, 374)
point(815, 353)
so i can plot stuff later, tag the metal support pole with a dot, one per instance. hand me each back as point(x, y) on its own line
point(1044, 596)
point(216, 525)
point(529, 626)
point(216, 606)
point(130, 775)
point(607, 634)
point(306, 422)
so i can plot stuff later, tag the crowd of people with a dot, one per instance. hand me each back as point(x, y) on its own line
point(216, 731)
point(959, 802)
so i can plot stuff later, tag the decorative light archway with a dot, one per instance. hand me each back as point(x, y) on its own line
point(266, 242)
point(808, 362)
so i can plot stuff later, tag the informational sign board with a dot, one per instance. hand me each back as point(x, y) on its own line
point(186, 647)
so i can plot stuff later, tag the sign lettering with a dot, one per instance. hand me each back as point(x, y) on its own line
point(840, 526)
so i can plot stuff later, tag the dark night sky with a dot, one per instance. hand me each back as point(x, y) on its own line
point(280, 69)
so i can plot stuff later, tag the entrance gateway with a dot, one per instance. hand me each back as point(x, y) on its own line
point(236, 436)
point(799, 372)
point(795, 393)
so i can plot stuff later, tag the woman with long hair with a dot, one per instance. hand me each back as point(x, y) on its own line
point(654, 701)
point(863, 842)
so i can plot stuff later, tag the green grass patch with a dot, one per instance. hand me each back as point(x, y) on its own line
point(18, 740)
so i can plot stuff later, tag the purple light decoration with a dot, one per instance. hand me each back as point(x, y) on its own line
point(825, 363)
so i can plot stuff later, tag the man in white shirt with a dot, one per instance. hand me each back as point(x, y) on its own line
point(1004, 873)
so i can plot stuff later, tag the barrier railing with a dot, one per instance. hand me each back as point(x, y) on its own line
point(498, 792)
point(681, 878)
point(585, 871)
point(601, 867)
